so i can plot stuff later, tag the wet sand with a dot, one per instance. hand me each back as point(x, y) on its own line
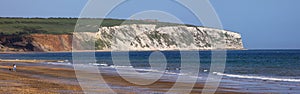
point(33, 77)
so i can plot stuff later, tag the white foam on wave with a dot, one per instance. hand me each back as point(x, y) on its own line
point(161, 71)
point(174, 73)
point(97, 64)
point(114, 66)
point(144, 69)
point(257, 77)
point(148, 70)
point(59, 63)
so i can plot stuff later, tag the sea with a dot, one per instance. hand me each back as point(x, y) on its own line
point(252, 71)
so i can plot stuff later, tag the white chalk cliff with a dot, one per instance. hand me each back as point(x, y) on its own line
point(151, 37)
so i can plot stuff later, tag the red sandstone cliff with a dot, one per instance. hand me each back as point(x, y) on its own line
point(36, 43)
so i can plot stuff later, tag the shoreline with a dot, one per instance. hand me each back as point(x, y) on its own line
point(46, 78)
point(135, 51)
point(29, 61)
point(122, 51)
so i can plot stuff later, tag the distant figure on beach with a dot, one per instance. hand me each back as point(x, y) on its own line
point(14, 68)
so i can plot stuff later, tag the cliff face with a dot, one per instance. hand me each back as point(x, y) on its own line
point(127, 37)
point(52, 42)
point(36, 42)
point(151, 37)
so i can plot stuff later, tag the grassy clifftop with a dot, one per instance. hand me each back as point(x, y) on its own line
point(17, 26)
point(21, 26)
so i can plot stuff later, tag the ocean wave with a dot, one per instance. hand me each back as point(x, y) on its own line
point(144, 69)
point(164, 71)
point(147, 70)
point(114, 66)
point(59, 63)
point(257, 77)
point(98, 64)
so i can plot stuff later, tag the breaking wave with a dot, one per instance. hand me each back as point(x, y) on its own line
point(257, 77)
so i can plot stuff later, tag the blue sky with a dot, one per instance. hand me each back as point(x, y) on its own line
point(264, 24)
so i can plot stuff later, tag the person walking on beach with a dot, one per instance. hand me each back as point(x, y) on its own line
point(14, 68)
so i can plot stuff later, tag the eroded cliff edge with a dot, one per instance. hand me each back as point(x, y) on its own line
point(36, 43)
point(127, 37)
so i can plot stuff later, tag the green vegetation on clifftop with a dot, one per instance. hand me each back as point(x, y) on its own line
point(21, 26)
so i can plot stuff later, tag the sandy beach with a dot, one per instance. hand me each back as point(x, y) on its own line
point(35, 77)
